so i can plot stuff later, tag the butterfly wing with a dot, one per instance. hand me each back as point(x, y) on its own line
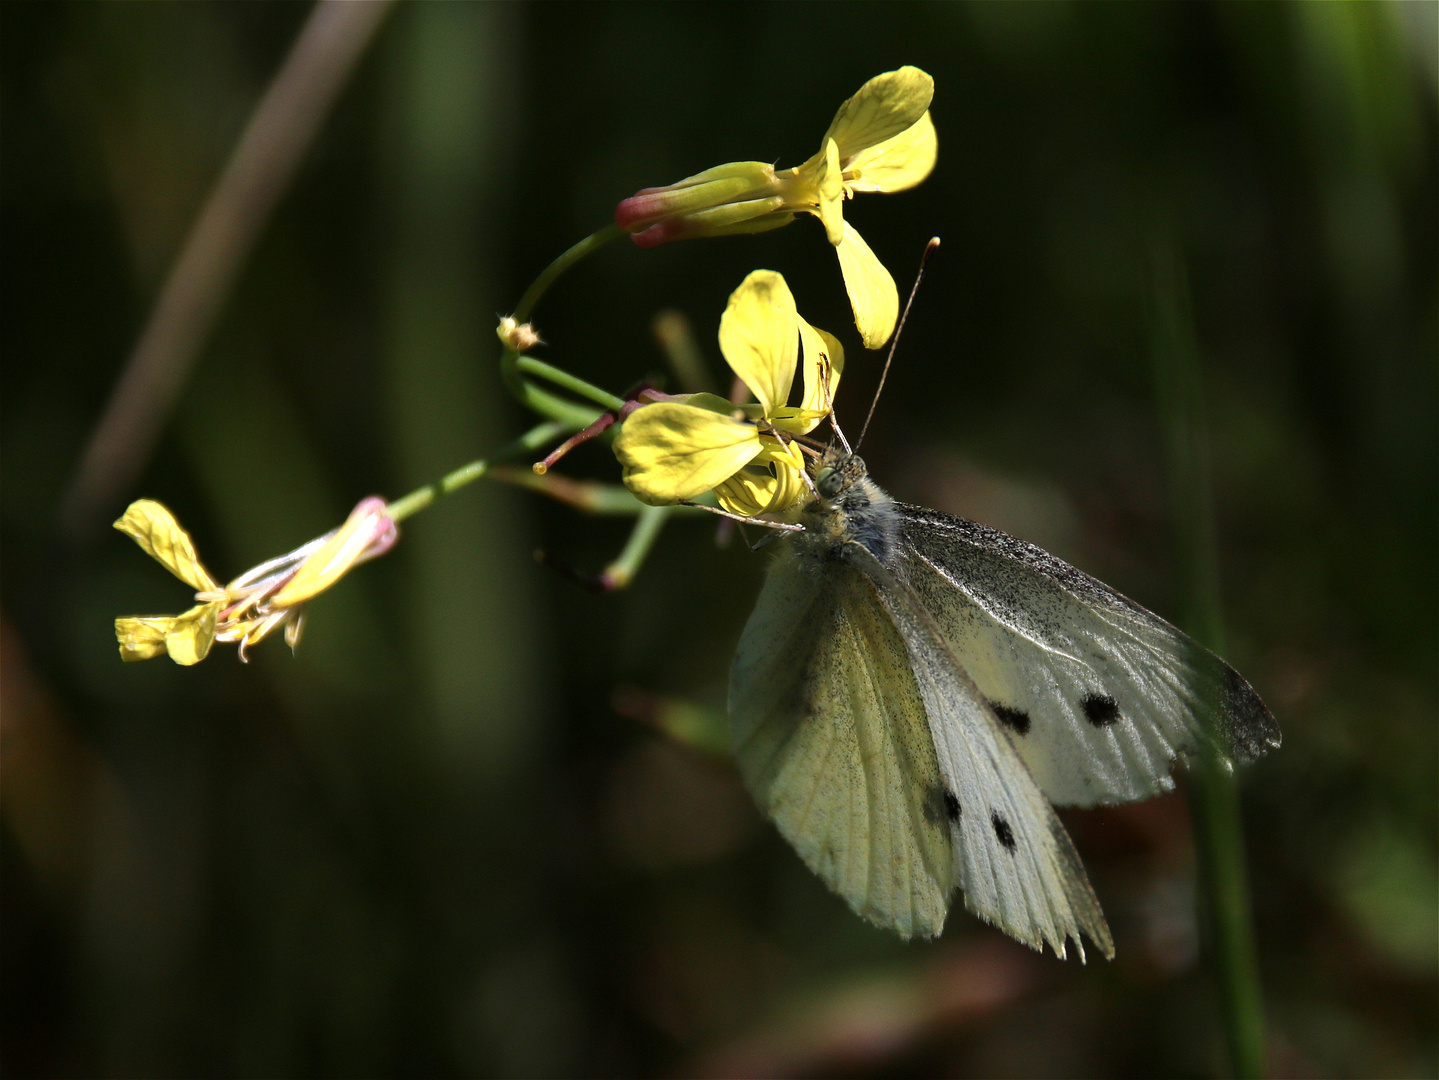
point(831, 735)
point(859, 733)
point(1101, 696)
point(1016, 864)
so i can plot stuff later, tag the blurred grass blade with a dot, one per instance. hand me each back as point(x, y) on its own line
point(1219, 837)
point(264, 161)
point(448, 124)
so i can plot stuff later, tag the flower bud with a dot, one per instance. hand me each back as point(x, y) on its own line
point(739, 197)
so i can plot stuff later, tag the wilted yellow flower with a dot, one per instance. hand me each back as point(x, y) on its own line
point(268, 596)
point(678, 449)
point(517, 336)
point(882, 139)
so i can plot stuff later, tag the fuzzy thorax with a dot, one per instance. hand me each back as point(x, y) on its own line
point(851, 509)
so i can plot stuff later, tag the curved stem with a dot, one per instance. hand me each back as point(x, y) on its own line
point(541, 284)
point(513, 367)
point(572, 415)
point(590, 496)
point(528, 365)
point(647, 529)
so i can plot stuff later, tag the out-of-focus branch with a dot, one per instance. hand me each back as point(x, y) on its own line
point(264, 161)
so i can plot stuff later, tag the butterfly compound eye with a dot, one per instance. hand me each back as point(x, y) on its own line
point(828, 482)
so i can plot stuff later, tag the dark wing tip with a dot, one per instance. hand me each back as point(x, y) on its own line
point(1246, 725)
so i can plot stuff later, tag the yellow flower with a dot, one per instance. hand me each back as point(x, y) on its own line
point(678, 449)
point(260, 600)
point(882, 139)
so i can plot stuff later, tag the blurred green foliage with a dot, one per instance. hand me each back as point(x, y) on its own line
point(452, 835)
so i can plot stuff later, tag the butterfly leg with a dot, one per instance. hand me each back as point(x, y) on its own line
point(781, 526)
point(763, 542)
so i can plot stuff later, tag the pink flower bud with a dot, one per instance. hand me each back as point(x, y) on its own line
point(725, 199)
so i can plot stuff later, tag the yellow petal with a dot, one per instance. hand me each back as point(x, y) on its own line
point(155, 529)
point(871, 290)
point(758, 336)
point(749, 492)
point(190, 635)
point(368, 522)
point(897, 163)
point(142, 639)
point(746, 493)
point(672, 451)
point(829, 190)
point(770, 484)
point(823, 363)
point(717, 404)
point(885, 106)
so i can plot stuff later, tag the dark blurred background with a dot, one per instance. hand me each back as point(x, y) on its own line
point(443, 839)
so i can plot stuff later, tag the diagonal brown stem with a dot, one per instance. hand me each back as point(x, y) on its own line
point(261, 167)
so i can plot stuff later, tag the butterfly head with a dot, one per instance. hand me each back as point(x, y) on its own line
point(838, 472)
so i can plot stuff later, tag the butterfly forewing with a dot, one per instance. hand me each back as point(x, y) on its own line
point(1099, 695)
point(832, 738)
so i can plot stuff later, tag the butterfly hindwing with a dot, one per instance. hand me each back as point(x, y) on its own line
point(1100, 696)
point(1017, 866)
point(832, 738)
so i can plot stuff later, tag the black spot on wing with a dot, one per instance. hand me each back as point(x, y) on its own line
point(1017, 720)
point(1003, 833)
point(940, 805)
point(951, 806)
point(1099, 709)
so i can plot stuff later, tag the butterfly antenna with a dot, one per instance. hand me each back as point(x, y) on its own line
point(929, 249)
point(829, 408)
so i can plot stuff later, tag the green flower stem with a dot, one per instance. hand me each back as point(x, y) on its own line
point(528, 365)
point(564, 416)
point(647, 529)
point(588, 495)
point(1214, 796)
point(526, 444)
point(532, 397)
point(573, 416)
point(547, 277)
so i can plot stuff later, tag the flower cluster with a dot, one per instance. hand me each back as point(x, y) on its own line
point(678, 449)
point(257, 602)
point(882, 139)
point(751, 454)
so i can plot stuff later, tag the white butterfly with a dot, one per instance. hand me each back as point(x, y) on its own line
point(913, 691)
